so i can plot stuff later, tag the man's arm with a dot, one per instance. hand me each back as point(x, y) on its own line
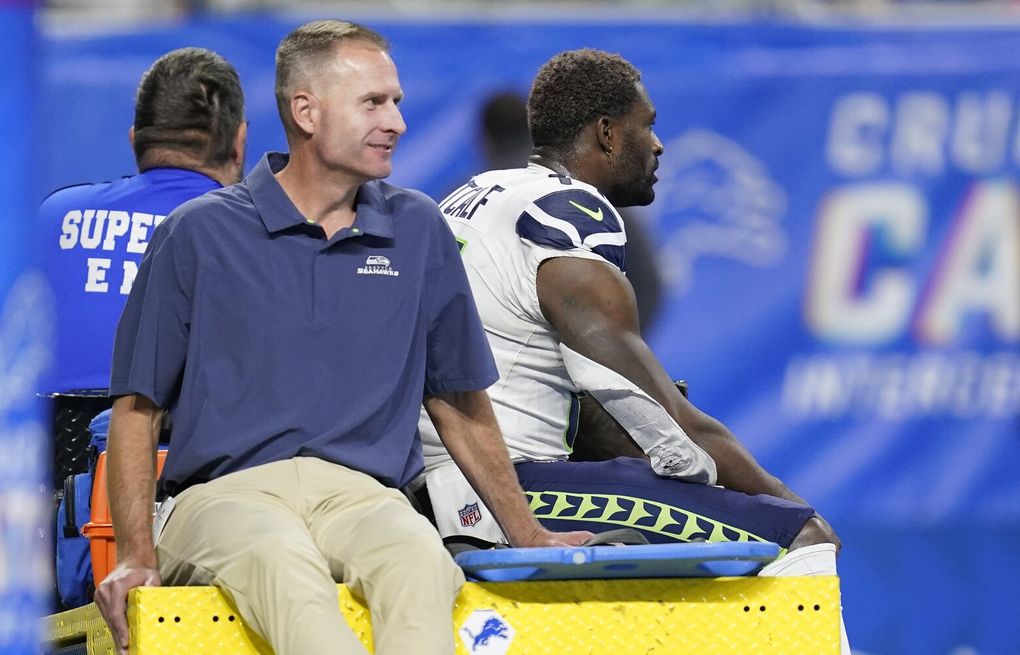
point(131, 487)
point(468, 429)
point(591, 304)
point(600, 437)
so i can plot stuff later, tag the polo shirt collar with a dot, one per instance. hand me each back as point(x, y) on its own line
point(371, 212)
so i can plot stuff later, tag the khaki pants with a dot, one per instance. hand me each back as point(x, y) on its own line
point(276, 538)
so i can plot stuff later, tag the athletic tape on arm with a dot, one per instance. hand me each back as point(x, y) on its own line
point(671, 451)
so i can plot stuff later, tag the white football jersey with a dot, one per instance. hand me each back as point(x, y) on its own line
point(507, 223)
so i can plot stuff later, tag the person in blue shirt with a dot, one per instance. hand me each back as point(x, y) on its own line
point(294, 324)
point(188, 138)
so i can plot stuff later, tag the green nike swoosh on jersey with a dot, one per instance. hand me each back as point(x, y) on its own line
point(593, 214)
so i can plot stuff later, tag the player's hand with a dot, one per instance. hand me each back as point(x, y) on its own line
point(111, 596)
point(542, 537)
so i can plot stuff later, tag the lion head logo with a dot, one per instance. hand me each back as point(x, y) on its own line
point(715, 199)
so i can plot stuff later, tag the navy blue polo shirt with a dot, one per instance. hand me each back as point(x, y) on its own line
point(268, 341)
point(94, 236)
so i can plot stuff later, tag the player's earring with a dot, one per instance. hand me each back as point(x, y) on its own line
point(609, 153)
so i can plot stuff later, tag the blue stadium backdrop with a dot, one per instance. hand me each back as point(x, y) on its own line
point(25, 319)
point(838, 221)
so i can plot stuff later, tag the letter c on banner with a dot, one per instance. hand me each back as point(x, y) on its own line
point(849, 301)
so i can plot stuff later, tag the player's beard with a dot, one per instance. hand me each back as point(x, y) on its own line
point(634, 182)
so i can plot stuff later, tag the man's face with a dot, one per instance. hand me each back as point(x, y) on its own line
point(358, 121)
point(633, 167)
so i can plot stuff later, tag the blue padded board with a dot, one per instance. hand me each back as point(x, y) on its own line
point(688, 560)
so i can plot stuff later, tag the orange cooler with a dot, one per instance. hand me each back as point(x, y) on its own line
point(99, 530)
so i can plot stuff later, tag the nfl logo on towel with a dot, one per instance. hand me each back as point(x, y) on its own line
point(469, 515)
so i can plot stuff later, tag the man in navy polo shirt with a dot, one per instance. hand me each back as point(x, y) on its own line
point(294, 324)
point(188, 137)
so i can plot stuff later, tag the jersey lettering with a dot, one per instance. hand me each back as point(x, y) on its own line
point(465, 201)
point(109, 231)
point(93, 228)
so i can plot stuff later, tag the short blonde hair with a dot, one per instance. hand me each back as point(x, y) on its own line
point(306, 48)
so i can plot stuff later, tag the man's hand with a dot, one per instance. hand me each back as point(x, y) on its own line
point(542, 537)
point(112, 593)
point(131, 488)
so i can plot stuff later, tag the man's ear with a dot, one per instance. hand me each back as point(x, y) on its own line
point(604, 134)
point(240, 139)
point(304, 110)
point(131, 136)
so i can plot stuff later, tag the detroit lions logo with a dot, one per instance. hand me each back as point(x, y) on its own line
point(716, 199)
point(486, 633)
point(492, 628)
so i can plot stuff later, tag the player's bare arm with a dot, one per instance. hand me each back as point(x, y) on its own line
point(592, 306)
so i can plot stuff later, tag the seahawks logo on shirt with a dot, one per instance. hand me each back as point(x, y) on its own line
point(574, 218)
